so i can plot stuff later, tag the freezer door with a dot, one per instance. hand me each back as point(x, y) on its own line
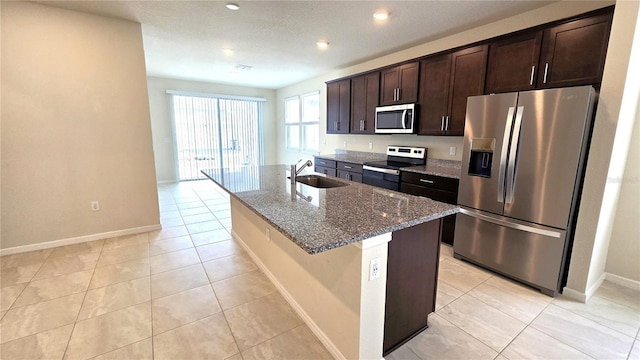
point(526, 252)
point(550, 148)
point(484, 159)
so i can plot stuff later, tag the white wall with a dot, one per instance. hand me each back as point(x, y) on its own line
point(75, 126)
point(438, 145)
point(617, 106)
point(623, 258)
point(162, 127)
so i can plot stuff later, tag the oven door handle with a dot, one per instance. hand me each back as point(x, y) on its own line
point(381, 170)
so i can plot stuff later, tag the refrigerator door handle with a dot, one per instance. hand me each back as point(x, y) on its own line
point(512, 225)
point(513, 152)
point(503, 154)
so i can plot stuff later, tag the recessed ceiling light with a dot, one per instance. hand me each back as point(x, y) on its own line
point(322, 44)
point(232, 6)
point(381, 15)
point(227, 51)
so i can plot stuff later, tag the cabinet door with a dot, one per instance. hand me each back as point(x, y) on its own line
point(408, 89)
point(351, 176)
point(574, 53)
point(399, 85)
point(512, 64)
point(389, 83)
point(338, 106)
point(325, 170)
point(434, 94)
point(468, 69)
point(364, 99)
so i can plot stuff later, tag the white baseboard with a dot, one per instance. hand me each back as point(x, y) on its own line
point(79, 239)
point(574, 294)
point(167, 182)
point(298, 309)
point(616, 279)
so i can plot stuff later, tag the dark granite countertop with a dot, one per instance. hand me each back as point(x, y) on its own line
point(355, 157)
point(445, 168)
point(318, 220)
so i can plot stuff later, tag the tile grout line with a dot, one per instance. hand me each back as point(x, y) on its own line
point(82, 303)
point(549, 335)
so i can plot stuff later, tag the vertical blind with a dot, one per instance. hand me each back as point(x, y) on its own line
point(215, 132)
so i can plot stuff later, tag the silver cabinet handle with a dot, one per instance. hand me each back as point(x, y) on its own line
point(442, 123)
point(446, 123)
point(350, 177)
point(335, 125)
point(348, 167)
point(533, 70)
point(504, 152)
point(426, 181)
point(398, 94)
point(546, 70)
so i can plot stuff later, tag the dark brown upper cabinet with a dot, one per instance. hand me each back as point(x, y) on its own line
point(513, 63)
point(573, 53)
point(399, 85)
point(446, 82)
point(364, 99)
point(338, 106)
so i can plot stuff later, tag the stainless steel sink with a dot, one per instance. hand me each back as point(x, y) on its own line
point(320, 181)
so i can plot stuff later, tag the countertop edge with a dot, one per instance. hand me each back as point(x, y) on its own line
point(342, 242)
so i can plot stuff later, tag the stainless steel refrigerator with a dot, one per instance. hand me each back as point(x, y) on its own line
point(522, 169)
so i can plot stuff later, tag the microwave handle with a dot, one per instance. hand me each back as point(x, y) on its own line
point(404, 119)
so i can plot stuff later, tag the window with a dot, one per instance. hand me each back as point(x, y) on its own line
point(215, 132)
point(302, 122)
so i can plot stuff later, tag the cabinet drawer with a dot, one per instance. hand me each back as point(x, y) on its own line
point(351, 176)
point(433, 194)
point(430, 181)
point(325, 170)
point(356, 168)
point(325, 163)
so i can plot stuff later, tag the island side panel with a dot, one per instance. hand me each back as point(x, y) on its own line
point(326, 289)
point(411, 282)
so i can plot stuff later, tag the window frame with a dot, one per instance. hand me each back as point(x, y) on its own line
point(302, 125)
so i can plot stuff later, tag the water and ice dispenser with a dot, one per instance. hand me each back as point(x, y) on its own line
point(481, 157)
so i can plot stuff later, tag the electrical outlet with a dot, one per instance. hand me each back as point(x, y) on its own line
point(344, 144)
point(370, 145)
point(374, 269)
point(267, 233)
point(452, 151)
point(95, 206)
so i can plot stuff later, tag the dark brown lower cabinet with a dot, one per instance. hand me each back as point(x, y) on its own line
point(325, 170)
point(412, 273)
point(437, 188)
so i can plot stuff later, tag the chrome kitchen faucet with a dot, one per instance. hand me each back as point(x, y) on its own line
point(294, 172)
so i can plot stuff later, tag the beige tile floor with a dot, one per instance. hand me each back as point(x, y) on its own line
point(189, 292)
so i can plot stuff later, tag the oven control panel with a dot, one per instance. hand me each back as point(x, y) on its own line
point(407, 151)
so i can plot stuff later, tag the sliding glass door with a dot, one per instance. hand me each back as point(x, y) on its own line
point(214, 132)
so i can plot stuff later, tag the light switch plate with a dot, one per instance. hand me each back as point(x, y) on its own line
point(452, 151)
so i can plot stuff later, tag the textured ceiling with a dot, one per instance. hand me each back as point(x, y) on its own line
point(184, 39)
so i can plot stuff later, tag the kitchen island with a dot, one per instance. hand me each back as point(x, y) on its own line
point(328, 251)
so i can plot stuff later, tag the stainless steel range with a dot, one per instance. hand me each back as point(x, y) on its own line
point(386, 173)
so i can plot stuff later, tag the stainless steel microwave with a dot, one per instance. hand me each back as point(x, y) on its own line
point(396, 119)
